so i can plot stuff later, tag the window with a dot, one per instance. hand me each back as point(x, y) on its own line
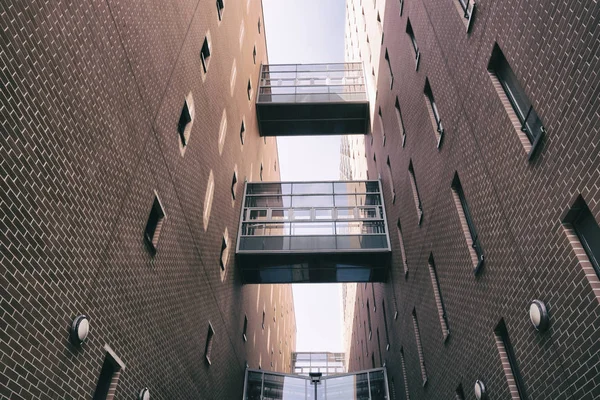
point(261, 172)
point(234, 182)
point(205, 54)
point(401, 6)
point(224, 251)
point(109, 376)
point(509, 362)
point(259, 25)
point(460, 393)
point(209, 343)
point(419, 347)
point(222, 131)
point(186, 120)
point(387, 59)
point(220, 7)
point(400, 121)
point(416, 197)
point(466, 9)
point(369, 319)
point(380, 25)
point(254, 55)
point(242, 31)
point(439, 301)
point(154, 224)
point(245, 331)
point(385, 324)
point(208, 198)
point(584, 235)
point(529, 128)
point(233, 78)
point(413, 41)
point(263, 320)
point(380, 118)
point(434, 114)
point(249, 89)
point(392, 189)
point(404, 376)
point(402, 250)
point(243, 132)
point(467, 224)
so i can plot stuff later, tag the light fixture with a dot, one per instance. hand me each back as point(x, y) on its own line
point(80, 328)
point(480, 392)
point(538, 314)
point(144, 394)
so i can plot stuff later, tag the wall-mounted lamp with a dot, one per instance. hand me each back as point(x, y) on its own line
point(80, 328)
point(538, 314)
point(144, 394)
point(480, 392)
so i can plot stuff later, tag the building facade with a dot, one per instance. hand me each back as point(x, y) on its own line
point(128, 130)
point(485, 133)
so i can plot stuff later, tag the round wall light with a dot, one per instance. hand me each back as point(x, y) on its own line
point(480, 392)
point(144, 394)
point(80, 328)
point(538, 314)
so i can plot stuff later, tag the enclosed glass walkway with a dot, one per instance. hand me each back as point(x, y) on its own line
point(313, 232)
point(312, 99)
point(364, 385)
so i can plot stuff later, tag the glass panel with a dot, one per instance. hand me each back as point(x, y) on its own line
point(359, 227)
point(284, 388)
point(312, 201)
point(268, 188)
point(253, 388)
point(268, 201)
point(312, 228)
point(352, 274)
point(356, 187)
point(280, 215)
point(324, 213)
point(257, 215)
point(345, 213)
point(368, 213)
point(312, 242)
point(361, 242)
point(312, 188)
point(266, 229)
point(302, 213)
point(378, 391)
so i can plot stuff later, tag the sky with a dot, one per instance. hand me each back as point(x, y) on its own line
point(301, 32)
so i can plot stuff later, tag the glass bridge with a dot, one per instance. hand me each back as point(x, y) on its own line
point(364, 385)
point(313, 232)
point(312, 99)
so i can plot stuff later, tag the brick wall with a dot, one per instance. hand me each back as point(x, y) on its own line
point(516, 204)
point(91, 97)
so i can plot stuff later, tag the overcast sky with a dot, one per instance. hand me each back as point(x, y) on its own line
point(301, 32)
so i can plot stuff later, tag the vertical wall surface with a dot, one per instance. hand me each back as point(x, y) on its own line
point(91, 96)
point(517, 204)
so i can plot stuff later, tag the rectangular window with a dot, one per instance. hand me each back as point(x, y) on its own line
point(263, 320)
point(108, 379)
point(583, 233)
point(259, 25)
point(209, 343)
point(389, 172)
point(186, 120)
point(434, 114)
point(261, 172)
point(400, 121)
point(242, 31)
point(401, 6)
point(416, 197)
point(254, 55)
point(220, 7)
point(402, 250)
point(224, 251)
point(205, 54)
point(385, 324)
point(222, 131)
point(369, 319)
point(249, 90)
point(466, 222)
point(527, 123)
point(466, 8)
point(380, 118)
point(387, 59)
point(154, 224)
point(509, 363)
point(413, 42)
point(439, 300)
point(233, 77)
point(419, 347)
point(245, 331)
point(234, 182)
point(243, 132)
point(404, 376)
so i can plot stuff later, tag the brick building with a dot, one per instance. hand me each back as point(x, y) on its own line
point(128, 130)
point(489, 216)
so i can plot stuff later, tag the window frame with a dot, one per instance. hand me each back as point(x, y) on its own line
point(465, 212)
point(434, 112)
point(154, 225)
point(415, 46)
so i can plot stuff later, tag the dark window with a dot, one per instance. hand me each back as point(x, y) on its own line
point(369, 319)
point(380, 116)
point(402, 249)
point(587, 231)
point(220, 7)
point(471, 233)
point(404, 375)
point(468, 8)
point(243, 132)
point(513, 375)
point(400, 121)
point(259, 25)
point(224, 252)
point(415, 190)
point(401, 6)
point(531, 123)
point(209, 343)
point(154, 224)
point(244, 333)
point(234, 182)
point(387, 59)
point(435, 114)
point(460, 394)
point(184, 125)
point(413, 41)
point(254, 54)
point(385, 324)
point(205, 54)
point(263, 321)
point(419, 347)
point(261, 172)
point(373, 359)
point(249, 90)
point(439, 300)
point(390, 178)
point(108, 379)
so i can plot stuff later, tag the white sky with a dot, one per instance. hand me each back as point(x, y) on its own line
point(301, 32)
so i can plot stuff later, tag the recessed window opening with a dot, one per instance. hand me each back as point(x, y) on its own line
point(108, 379)
point(467, 10)
point(390, 178)
point(233, 78)
point(220, 7)
point(254, 55)
point(222, 131)
point(415, 190)
point(259, 26)
point(261, 172)
point(467, 224)
point(208, 199)
point(369, 319)
point(186, 120)
point(419, 347)
point(209, 343)
point(401, 6)
point(243, 132)
point(263, 320)
point(242, 31)
point(249, 89)
point(245, 330)
point(413, 42)
point(400, 121)
point(530, 127)
point(380, 119)
point(154, 224)
point(391, 74)
point(224, 250)
point(385, 324)
point(460, 394)
point(509, 362)
point(434, 114)
point(439, 300)
point(205, 54)
point(234, 181)
point(402, 250)
point(404, 375)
